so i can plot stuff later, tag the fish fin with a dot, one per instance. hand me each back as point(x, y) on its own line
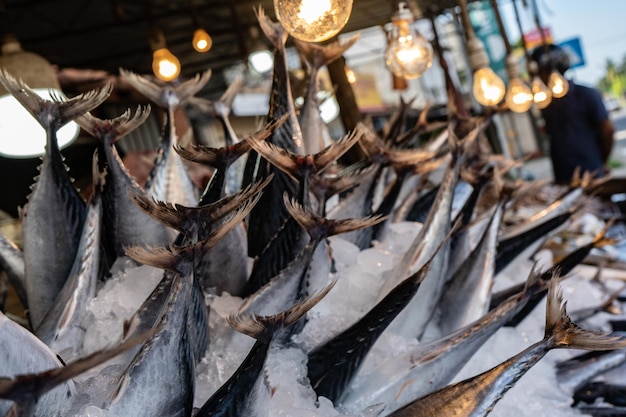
point(167, 95)
point(179, 258)
point(334, 151)
point(187, 219)
point(319, 227)
point(58, 111)
point(29, 387)
point(563, 333)
point(319, 55)
point(217, 157)
point(115, 128)
point(274, 31)
point(263, 327)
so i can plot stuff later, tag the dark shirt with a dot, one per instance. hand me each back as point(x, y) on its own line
point(573, 125)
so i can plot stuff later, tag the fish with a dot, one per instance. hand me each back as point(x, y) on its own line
point(270, 214)
point(221, 109)
point(124, 223)
point(575, 374)
point(183, 260)
point(612, 394)
point(30, 392)
point(168, 180)
point(315, 134)
point(54, 212)
point(61, 328)
point(413, 319)
point(421, 369)
point(478, 395)
point(245, 393)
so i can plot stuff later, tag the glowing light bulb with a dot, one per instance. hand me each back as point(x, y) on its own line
point(165, 65)
point(313, 20)
point(488, 88)
point(558, 85)
point(542, 96)
point(519, 96)
point(408, 53)
point(202, 41)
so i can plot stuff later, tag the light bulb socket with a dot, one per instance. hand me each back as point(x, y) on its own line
point(512, 67)
point(477, 55)
point(403, 13)
point(156, 39)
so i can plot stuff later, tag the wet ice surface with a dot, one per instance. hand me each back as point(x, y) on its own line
point(359, 278)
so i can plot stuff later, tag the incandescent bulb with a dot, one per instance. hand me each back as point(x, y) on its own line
point(519, 96)
point(542, 96)
point(313, 20)
point(202, 41)
point(165, 65)
point(488, 88)
point(558, 85)
point(409, 55)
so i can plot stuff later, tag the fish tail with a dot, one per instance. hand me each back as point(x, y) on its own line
point(59, 111)
point(114, 129)
point(563, 333)
point(600, 239)
point(319, 55)
point(264, 327)
point(320, 227)
point(273, 30)
point(223, 106)
point(167, 95)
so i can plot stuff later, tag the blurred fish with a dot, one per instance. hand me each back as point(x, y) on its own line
point(477, 396)
point(169, 180)
point(315, 133)
point(55, 212)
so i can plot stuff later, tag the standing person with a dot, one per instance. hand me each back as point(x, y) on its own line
point(578, 124)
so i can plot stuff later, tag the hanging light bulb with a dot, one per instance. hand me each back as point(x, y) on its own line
point(165, 65)
point(202, 41)
point(408, 53)
point(542, 96)
point(557, 84)
point(488, 88)
point(313, 20)
point(519, 96)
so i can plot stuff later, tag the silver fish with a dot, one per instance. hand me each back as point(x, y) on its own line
point(169, 180)
point(315, 133)
point(55, 211)
point(478, 395)
point(61, 328)
point(124, 223)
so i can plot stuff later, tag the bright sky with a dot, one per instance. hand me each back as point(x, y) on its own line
point(601, 25)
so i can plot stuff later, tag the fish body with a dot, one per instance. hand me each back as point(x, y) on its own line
point(55, 212)
point(315, 133)
point(125, 224)
point(429, 366)
point(168, 180)
point(478, 395)
point(23, 353)
point(62, 329)
point(160, 379)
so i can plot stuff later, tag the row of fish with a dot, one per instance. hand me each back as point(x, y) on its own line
point(260, 232)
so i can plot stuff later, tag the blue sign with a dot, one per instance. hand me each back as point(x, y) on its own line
point(574, 50)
